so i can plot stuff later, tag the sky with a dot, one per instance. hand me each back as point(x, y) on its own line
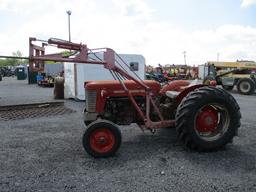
point(159, 30)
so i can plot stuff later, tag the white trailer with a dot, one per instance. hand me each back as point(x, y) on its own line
point(76, 74)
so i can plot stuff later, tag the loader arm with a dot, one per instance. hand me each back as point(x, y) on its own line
point(37, 57)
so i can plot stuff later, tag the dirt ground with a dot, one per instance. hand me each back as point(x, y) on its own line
point(46, 153)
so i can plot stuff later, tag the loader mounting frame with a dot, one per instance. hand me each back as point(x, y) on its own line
point(79, 54)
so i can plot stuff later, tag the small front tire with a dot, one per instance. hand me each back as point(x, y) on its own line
point(102, 139)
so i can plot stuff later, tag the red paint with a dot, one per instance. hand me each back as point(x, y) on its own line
point(114, 85)
point(186, 91)
point(174, 86)
point(113, 88)
point(102, 140)
point(207, 120)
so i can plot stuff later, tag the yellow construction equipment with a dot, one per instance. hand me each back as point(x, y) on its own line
point(229, 74)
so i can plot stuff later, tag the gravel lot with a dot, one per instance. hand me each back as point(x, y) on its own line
point(46, 154)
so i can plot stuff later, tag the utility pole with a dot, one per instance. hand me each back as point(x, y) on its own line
point(218, 56)
point(69, 34)
point(184, 52)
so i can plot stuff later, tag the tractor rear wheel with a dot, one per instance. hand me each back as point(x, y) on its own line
point(246, 86)
point(207, 119)
point(102, 138)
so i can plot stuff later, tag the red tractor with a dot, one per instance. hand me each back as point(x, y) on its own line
point(206, 118)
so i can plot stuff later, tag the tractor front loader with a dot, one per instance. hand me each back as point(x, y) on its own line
point(205, 117)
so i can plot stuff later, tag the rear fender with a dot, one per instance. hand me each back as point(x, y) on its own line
point(174, 86)
point(186, 91)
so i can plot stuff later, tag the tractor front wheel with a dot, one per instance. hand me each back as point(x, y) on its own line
point(102, 138)
point(207, 119)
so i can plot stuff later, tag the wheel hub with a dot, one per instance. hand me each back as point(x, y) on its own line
point(102, 140)
point(245, 86)
point(207, 120)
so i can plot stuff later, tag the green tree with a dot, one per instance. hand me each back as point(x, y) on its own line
point(3, 63)
point(12, 61)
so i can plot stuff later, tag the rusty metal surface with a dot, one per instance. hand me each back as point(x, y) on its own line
point(36, 110)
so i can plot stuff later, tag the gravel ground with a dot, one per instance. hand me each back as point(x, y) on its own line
point(46, 154)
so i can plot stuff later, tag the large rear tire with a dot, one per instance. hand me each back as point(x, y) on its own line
point(246, 86)
point(207, 119)
point(101, 139)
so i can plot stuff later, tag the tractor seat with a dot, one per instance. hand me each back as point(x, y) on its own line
point(174, 94)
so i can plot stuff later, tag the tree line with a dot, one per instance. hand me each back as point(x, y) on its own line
point(11, 61)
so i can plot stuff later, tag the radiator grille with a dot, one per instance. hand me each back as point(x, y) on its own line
point(90, 99)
